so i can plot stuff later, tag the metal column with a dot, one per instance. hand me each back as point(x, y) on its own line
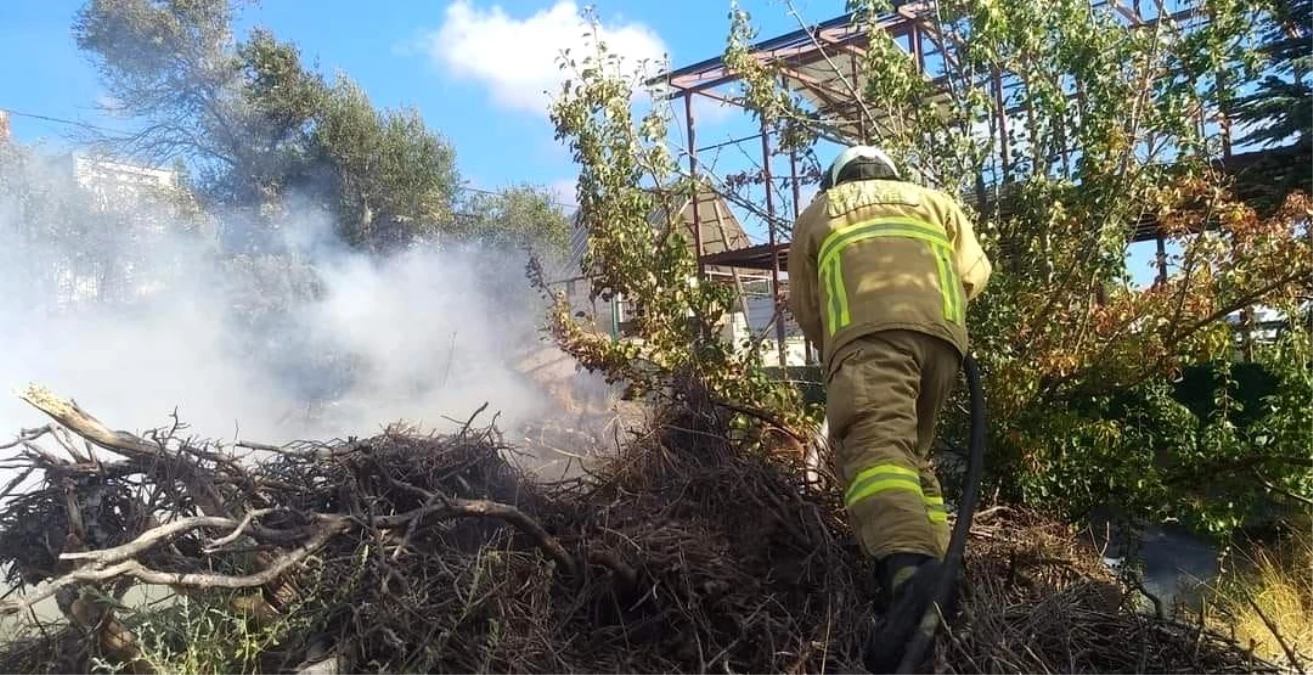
point(1000, 100)
point(797, 209)
point(768, 180)
point(697, 187)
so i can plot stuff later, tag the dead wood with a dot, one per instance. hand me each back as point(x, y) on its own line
point(414, 552)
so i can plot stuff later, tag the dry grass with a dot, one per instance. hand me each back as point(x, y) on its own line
point(1266, 598)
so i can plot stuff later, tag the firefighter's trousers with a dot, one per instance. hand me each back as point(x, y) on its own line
point(881, 401)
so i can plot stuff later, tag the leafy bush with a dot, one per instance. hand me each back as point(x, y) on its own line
point(1079, 364)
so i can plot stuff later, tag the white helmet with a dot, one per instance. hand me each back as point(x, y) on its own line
point(852, 154)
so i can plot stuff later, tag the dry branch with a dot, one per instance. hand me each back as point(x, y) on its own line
point(150, 538)
point(68, 414)
point(1294, 659)
point(482, 508)
point(434, 553)
point(134, 569)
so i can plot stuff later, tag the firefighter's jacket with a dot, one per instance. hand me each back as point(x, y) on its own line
point(873, 255)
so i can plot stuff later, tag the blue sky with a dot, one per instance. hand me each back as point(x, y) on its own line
point(476, 69)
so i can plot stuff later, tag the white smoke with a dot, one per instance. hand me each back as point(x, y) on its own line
point(426, 336)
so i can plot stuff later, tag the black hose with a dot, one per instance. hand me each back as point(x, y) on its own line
point(965, 511)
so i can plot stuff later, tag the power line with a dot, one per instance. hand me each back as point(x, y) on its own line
point(59, 120)
point(93, 127)
point(500, 193)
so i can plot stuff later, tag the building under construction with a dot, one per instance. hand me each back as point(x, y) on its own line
point(822, 66)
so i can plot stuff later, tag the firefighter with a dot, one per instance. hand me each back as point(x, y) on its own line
point(880, 273)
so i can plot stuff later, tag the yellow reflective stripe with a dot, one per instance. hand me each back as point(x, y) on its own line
point(880, 478)
point(886, 468)
point(837, 305)
point(883, 227)
point(935, 510)
point(831, 318)
point(841, 293)
point(871, 487)
point(948, 284)
point(950, 287)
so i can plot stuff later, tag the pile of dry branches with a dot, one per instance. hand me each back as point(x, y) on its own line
point(409, 552)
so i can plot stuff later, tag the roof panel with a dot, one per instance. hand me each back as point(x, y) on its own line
point(800, 46)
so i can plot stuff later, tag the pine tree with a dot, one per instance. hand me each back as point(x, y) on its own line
point(1280, 109)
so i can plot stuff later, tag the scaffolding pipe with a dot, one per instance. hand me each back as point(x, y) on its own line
point(793, 180)
point(1161, 256)
point(797, 210)
point(1000, 100)
point(861, 109)
point(615, 318)
point(774, 248)
point(697, 188)
point(918, 49)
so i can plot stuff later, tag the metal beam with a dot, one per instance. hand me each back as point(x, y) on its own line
point(832, 96)
point(697, 185)
point(776, 296)
point(764, 45)
point(714, 72)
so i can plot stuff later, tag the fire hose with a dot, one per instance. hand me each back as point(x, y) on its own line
point(929, 625)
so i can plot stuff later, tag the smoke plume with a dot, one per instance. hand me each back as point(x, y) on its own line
point(138, 312)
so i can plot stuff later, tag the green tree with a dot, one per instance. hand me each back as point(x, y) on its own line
point(520, 217)
point(239, 112)
point(1102, 133)
point(393, 179)
point(1276, 112)
point(257, 126)
point(1281, 105)
point(630, 196)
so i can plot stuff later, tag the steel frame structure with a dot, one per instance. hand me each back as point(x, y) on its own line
point(821, 64)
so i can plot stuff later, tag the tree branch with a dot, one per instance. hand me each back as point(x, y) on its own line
point(1295, 661)
point(442, 505)
point(331, 527)
point(68, 414)
point(1280, 490)
point(763, 416)
point(239, 530)
point(141, 544)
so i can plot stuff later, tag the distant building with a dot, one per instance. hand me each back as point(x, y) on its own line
point(135, 207)
point(721, 231)
point(119, 184)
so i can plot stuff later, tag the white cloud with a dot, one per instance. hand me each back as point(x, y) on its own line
point(516, 58)
point(710, 112)
point(563, 191)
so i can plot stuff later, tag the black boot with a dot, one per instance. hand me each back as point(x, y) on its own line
point(910, 585)
point(897, 568)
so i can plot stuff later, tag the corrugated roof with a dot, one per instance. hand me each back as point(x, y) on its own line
point(721, 232)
